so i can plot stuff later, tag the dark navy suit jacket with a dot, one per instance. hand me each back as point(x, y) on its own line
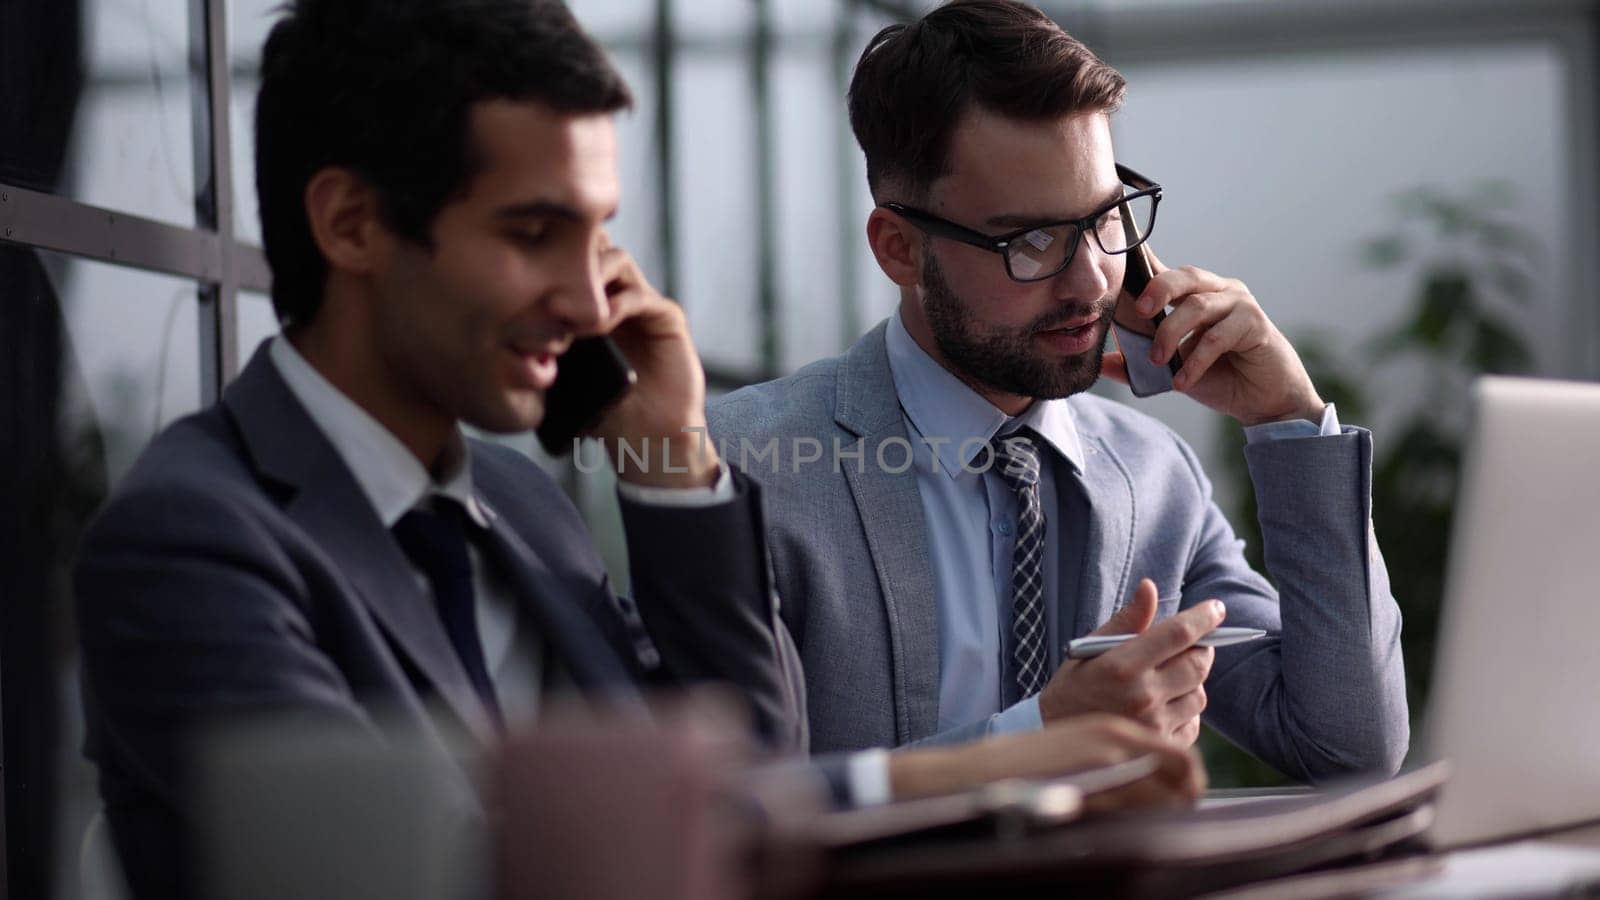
point(240, 570)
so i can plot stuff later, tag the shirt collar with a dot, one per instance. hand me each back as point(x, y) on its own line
point(392, 479)
point(942, 406)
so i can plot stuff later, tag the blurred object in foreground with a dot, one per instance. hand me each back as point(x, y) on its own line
point(292, 808)
point(605, 809)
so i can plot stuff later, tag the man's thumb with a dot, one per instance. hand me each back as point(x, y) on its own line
point(1137, 615)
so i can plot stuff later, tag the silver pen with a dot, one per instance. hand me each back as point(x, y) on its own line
point(1096, 644)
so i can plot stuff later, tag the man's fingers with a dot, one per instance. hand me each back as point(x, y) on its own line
point(1169, 637)
point(1188, 706)
point(641, 315)
point(1186, 672)
point(1179, 780)
point(1170, 286)
point(1227, 336)
point(615, 265)
point(1191, 314)
point(1151, 792)
point(1186, 734)
point(1181, 772)
point(1137, 615)
point(632, 298)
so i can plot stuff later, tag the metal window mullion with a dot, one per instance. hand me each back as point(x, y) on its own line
point(250, 268)
point(895, 10)
point(844, 181)
point(50, 222)
point(1583, 100)
point(219, 300)
point(766, 190)
point(1256, 30)
point(664, 47)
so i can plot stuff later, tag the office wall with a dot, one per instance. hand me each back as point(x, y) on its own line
point(1278, 169)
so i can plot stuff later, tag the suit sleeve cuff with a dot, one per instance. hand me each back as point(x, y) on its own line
point(867, 775)
point(1020, 716)
point(721, 492)
point(1295, 428)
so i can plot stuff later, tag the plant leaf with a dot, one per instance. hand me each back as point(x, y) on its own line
point(1497, 349)
point(1385, 252)
point(1508, 239)
point(1511, 280)
point(1446, 299)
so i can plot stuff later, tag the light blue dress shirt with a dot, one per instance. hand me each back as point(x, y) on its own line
point(971, 519)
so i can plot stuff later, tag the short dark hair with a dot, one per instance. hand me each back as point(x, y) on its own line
point(386, 89)
point(914, 82)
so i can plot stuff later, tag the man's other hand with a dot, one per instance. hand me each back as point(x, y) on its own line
point(1157, 678)
point(1085, 742)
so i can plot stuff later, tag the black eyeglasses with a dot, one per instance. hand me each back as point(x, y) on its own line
point(1041, 251)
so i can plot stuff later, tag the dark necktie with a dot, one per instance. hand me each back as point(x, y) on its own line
point(436, 542)
point(1017, 460)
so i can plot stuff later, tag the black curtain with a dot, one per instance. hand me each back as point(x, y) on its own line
point(41, 77)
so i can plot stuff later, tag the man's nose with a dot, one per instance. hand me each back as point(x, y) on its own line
point(1088, 274)
point(580, 298)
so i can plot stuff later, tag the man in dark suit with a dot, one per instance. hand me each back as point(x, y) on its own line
point(434, 178)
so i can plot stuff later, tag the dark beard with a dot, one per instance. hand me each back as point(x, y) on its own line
point(1006, 361)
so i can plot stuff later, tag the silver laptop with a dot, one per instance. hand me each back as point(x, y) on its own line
point(1516, 688)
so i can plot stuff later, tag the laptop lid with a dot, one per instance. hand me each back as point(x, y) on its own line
point(1516, 696)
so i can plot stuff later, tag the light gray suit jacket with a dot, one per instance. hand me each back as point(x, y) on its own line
point(1322, 696)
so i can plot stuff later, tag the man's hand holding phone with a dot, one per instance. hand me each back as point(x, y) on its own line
point(1156, 678)
point(665, 411)
point(1235, 360)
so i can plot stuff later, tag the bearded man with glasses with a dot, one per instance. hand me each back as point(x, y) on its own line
point(948, 508)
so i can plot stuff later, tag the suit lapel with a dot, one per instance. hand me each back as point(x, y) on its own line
point(1108, 547)
point(560, 618)
point(890, 507)
point(286, 446)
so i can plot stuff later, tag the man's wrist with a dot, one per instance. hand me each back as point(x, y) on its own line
point(1055, 705)
point(1024, 715)
point(684, 460)
point(931, 771)
point(1329, 426)
point(1311, 410)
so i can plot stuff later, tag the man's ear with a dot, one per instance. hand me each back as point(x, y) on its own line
point(897, 245)
point(342, 210)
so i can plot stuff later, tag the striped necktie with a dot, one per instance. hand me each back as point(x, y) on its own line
point(1017, 460)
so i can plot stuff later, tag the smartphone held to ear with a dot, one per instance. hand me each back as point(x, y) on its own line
point(1135, 334)
point(590, 377)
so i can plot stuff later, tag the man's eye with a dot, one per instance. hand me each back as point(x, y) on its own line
point(529, 238)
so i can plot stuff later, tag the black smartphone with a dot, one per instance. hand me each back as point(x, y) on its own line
point(591, 376)
point(1135, 334)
